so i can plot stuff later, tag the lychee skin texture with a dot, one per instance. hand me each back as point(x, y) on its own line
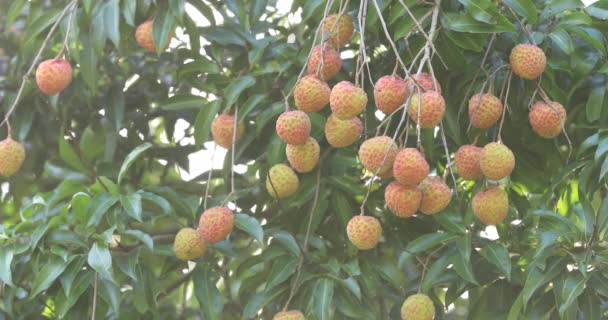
point(222, 129)
point(338, 31)
point(418, 307)
point(527, 61)
point(332, 63)
point(346, 100)
point(484, 110)
point(491, 206)
point(372, 152)
point(410, 167)
point(342, 133)
point(364, 232)
point(390, 93)
point(12, 155)
point(436, 195)
point(311, 94)
point(215, 224)
point(547, 120)
point(145, 38)
point(188, 244)
point(467, 162)
point(304, 157)
point(289, 315)
point(282, 181)
point(425, 80)
point(401, 200)
point(432, 108)
point(293, 127)
point(496, 161)
point(53, 76)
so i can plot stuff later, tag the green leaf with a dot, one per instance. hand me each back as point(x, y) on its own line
point(463, 23)
point(6, 258)
point(161, 29)
point(110, 293)
point(429, 240)
point(591, 35)
point(202, 124)
point(128, 11)
point(498, 255)
point(463, 267)
point(99, 206)
point(537, 277)
point(99, 258)
point(250, 225)
point(47, 275)
point(88, 63)
point(236, 87)
point(260, 300)
point(323, 294)
point(207, 294)
point(574, 285)
point(595, 102)
point(434, 271)
point(524, 8)
point(111, 21)
point(13, 12)
point(562, 40)
point(45, 20)
point(131, 157)
point(183, 101)
point(142, 236)
point(353, 286)
point(287, 241)
point(282, 269)
point(69, 156)
point(132, 205)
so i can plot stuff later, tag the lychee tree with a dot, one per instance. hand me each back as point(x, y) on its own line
point(371, 159)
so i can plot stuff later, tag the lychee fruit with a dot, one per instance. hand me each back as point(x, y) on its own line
point(496, 161)
point(303, 157)
point(403, 201)
point(332, 62)
point(338, 31)
point(53, 76)
point(215, 224)
point(390, 93)
point(293, 127)
point(342, 133)
point(425, 80)
point(289, 315)
point(528, 61)
point(467, 162)
point(311, 94)
point(282, 181)
point(347, 100)
point(374, 151)
point(410, 167)
point(484, 110)
point(547, 120)
point(418, 307)
point(145, 38)
point(12, 155)
point(364, 232)
point(222, 129)
point(436, 195)
point(188, 244)
point(491, 206)
point(432, 108)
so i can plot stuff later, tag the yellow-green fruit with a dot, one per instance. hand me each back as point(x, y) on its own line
point(467, 162)
point(282, 181)
point(390, 93)
point(342, 133)
point(410, 167)
point(418, 307)
point(364, 232)
point(375, 150)
point(289, 315)
point(436, 195)
point(332, 62)
point(528, 61)
point(311, 94)
point(547, 120)
point(432, 108)
point(293, 127)
point(222, 129)
point(12, 154)
point(338, 31)
point(304, 157)
point(491, 206)
point(484, 110)
point(347, 100)
point(496, 161)
point(215, 224)
point(426, 81)
point(401, 200)
point(145, 38)
point(188, 244)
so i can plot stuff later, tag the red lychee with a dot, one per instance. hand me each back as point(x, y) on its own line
point(215, 224)
point(390, 93)
point(53, 75)
point(304, 157)
point(364, 232)
point(332, 63)
point(346, 100)
point(496, 161)
point(338, 31)
point(311, 94)
point(410, 167)
point(145, 38)
point(528, 61)
point(401, 200)
point(491, 206)
point(432, 108)
point(547, 120)
point(293, 127)
point(222, 129)
point(467, 162)
point(436, 195)
point(375, 150)
point(342, 133)
point(484, 110)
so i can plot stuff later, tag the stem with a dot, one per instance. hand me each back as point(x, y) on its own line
point(209, 175)
point(95, 296)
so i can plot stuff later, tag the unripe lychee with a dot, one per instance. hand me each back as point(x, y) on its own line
point(12, 154)
point(425, 80)
point(390, 92)
point(491, 206)
point(342, 133)
point(53, 76)
point(282, 181)
point(418, 307)
point(311, 94)
point(215, 224)
point(373, 152)
point(467, 162)
point(188, 244)
point(289, 315)
point(403, 201)
point(364, 232)
point(346, 100)
point(528, 61)
point(436, 195)
point(293, 127)
point(338, 31)
point(222, 129)
point(432, 108)
point(496, 161)
point(145, 38)
point(303, 157)
point(547, 120)
point(410, 167)
point(484, 110)
point(332, 63)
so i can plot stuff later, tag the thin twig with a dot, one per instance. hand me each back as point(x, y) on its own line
point(95, 296)
point(209, 176)
point(447, 156)
point(504, 109)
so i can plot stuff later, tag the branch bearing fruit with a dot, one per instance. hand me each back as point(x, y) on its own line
point(222, 130)
point(364, 232)
point(547, 120)
point(215, 224)
point(293, 127)
point(311, 94)
point(496, 161)
point(402, 201)
point(436, 195)
point(12, 155)
point(484, 110)
point(432, 108)
point(347, 100)
point(342, 133)
point(528, 61)
point(188, 244)
point(418, 307)
point(53, 76)
point(410, 167)
point(282, 181)
point(491, 206)
point(467, 162)
point(303, 157)
point(332, 63)
point(374, 151)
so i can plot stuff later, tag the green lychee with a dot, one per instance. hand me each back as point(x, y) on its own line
point(484, 110)
point(282, 181)
point(215, 224)
point(496, 161)
point(304, 157)
point(491, 206)
point(188, 244)
point(547, 120)
point(418, 307)
point(436, 195)
point(12, 155)
point(528, 61)
point(375, 150)
point(364, 232)
point(342, 133)
point(403, 201)
point(293, 127)
point(311, 94)
point(347, 100)
point(410, 167)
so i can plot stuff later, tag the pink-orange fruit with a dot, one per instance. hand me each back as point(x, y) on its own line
point(425, 80)
point(467, 162)
point(289, 315)
point(311, 94)
point(282, 181)
point(432, 108)
point(390, 93)
point(491, 206)
point(496, 161)
point(528, 61)
point(364, 232)
point(484, 110)
point(215, 224)
point(53, 75)
point(401, 200)
point(145, 39)
point(293, 127)
point(188, 244)
point(12, 155)
point(338, 31)
point(222, 129)
point(418, 307)
point(374, 151)
point(303, 157)
point(332, 63)
point(410, 167)
point(436, 195)
point(342, 133)
point(547, 120)
point(346, 100)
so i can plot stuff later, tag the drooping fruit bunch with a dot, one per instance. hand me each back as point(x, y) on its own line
point(332, 63)
point(528, 61)
point(215, 224)
point(484, 110)
point(145, 37)
point(188, 244)
point(496, 161)
point(491, 206)
point(338, 29)
point(426, 81)
point(432, 108)
point(436, 195)
point(390, 93)
point(410, 167)
point(304, 157)
point(364, 232)
point(375, 150)
point(293, 127)
point(347, 100)
point(282, 181)
point(311, 94)
point(467, 162)
point(403, 201)
point(222, 130)
point(418, 307)
point(547, 120)
point(342, 133)
point(289, 315)
point(12, 155)
point(53, 76)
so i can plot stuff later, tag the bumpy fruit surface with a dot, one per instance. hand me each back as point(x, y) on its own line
point(418, 307)
point(425, 80)
point(401, 200)
point(467, 162)
point(311, 94)
point(282, 181)
point(145, 39)
point(390, 93)
point(215, 224)
point(342, 133)
point(346, 100)
point(547, 120)
point(293, 127)
point(12, 154)
point(222, 129)
point(53, 76)
point(528, 61)
point(496, 161)
point(484, 110)
point(410, 167)
point(436, 195)
point(332, 63)
point(289, 315)
point(188, 244)
point(304, 157)
point(372, 152)
point(432, 108)
point(491, 206)
point(338, 31)
point(364, 232)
